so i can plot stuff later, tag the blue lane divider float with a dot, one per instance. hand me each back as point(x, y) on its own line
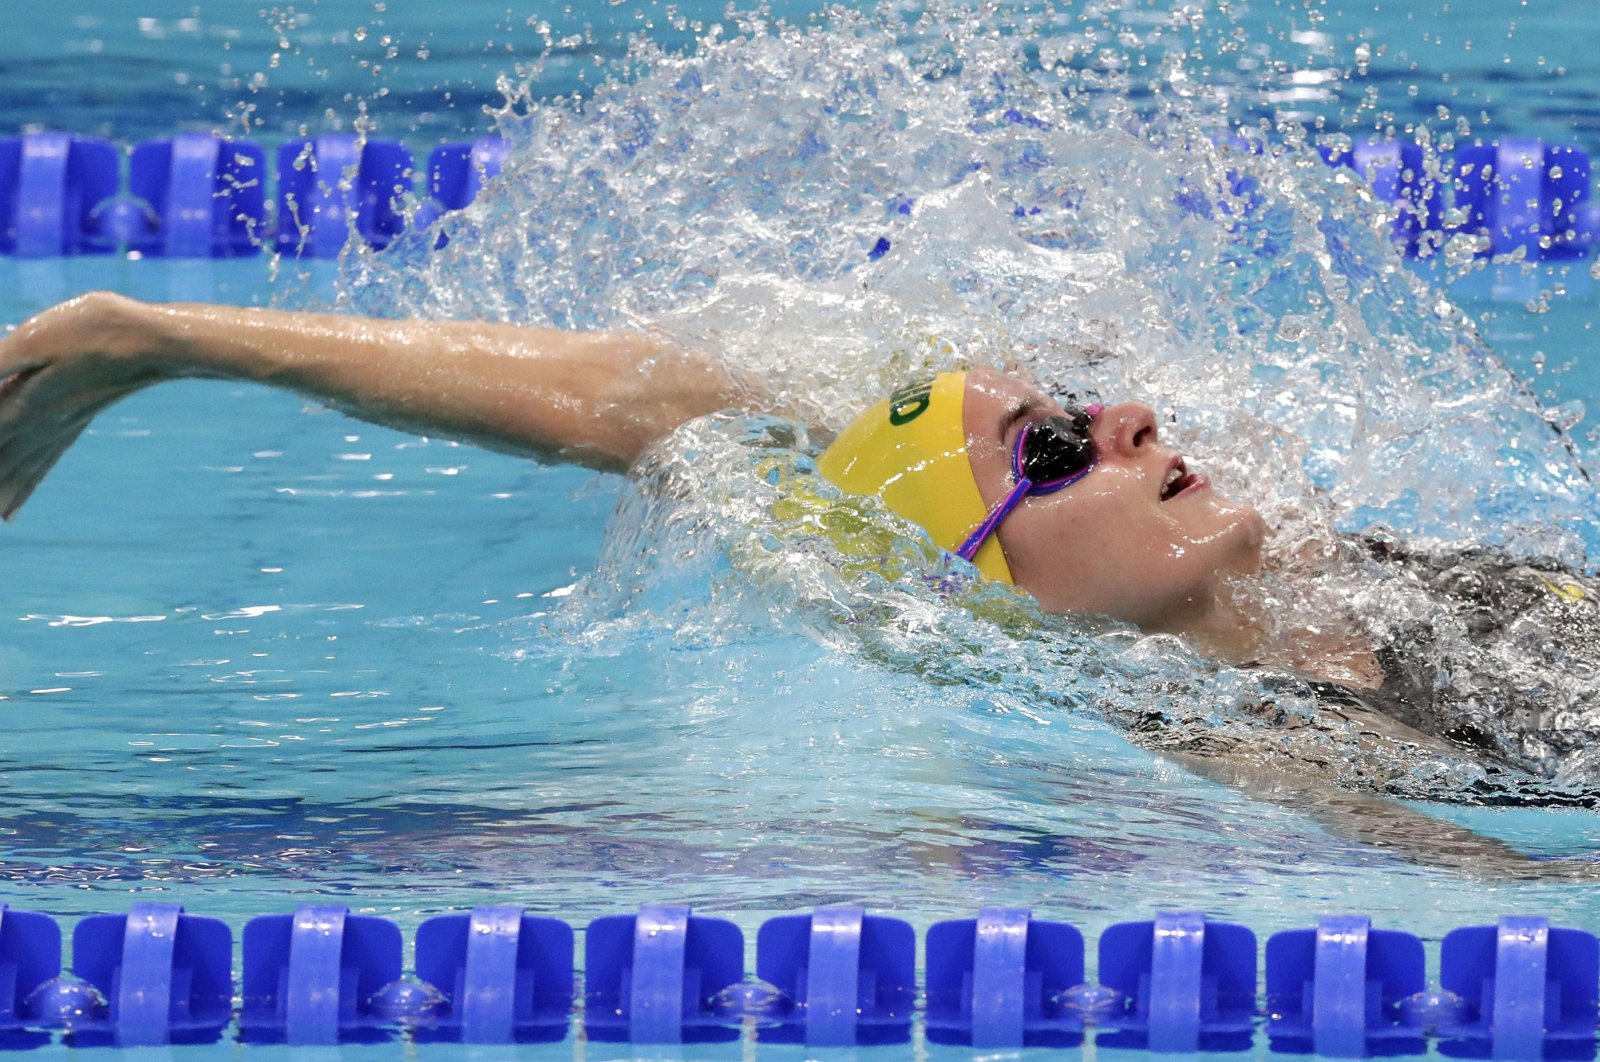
point(506, 975)
point(651, 978)
point(1190, 984)
point(836, 977)
point(310, 977)
point(30, 959)
point(198, 196)
point(1520, 194)
point(850, 975)
point(1004, 980)
point(1397, 174)
point(332, 185)
point(1528, 990)
point(1529, 195)
point(166, 976)
point(53, 187)
point(1338, 990)
point(456, 174)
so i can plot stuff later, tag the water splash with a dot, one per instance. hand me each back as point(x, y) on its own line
point(830, 207)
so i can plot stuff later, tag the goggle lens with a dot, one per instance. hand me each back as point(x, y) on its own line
point(1049, 454)
point(1055, 448)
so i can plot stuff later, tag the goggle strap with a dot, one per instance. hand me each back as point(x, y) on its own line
point(1025, 486)
point(969, 548)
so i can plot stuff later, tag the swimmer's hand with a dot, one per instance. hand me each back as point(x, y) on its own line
point(594, 398)
point(57, 371)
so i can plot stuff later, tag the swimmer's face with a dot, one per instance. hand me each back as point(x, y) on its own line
point(1127, 540)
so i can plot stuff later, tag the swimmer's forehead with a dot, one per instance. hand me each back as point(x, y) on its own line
point(995, 401)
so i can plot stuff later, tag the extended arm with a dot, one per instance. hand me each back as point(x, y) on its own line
point(597, 399)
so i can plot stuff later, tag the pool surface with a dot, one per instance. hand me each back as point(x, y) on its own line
point(255, 653)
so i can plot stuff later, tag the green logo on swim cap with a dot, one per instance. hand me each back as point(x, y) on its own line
point(910, 401)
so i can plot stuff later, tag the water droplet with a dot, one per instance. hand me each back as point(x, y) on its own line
point(1567, 415)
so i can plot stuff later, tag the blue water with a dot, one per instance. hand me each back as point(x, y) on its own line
point(256, 653)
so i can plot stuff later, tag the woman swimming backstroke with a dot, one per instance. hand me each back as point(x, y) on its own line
point(1130, 531)
point(1149, 540)
point(1085, 508)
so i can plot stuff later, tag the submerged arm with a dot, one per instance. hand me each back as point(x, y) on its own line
point(594, 398)
point(1383, 823)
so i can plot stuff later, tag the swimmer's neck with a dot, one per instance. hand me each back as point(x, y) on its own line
point(1233, 631)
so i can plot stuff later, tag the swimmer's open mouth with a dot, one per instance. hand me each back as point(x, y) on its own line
point(1179, 480)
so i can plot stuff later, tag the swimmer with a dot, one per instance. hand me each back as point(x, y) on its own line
point(1114, 523)
point(1087, 509)
point(1151, 541)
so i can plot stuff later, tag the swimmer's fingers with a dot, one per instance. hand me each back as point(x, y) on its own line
point(14, 382)
point(24, 463)
point(32, 445)
point(18, 483)
point(35, 402)
point(20, 455)
point(15, 404)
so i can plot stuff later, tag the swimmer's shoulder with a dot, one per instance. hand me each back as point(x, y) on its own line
point(1498, 587)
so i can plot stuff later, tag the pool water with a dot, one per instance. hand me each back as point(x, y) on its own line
point(256, 653)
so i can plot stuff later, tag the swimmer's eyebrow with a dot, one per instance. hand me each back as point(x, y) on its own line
point(1024, 409)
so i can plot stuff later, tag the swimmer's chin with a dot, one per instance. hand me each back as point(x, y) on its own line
point(1245, 532)
point(1254, 530)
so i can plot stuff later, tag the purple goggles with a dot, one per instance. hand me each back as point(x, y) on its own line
point(1049, 454)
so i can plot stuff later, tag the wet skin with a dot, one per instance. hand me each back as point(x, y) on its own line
point(1141, 538)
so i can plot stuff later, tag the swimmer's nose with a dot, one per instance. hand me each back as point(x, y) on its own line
point(1127, 428)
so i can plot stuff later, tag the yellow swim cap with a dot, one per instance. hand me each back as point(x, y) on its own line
point(911, 451)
